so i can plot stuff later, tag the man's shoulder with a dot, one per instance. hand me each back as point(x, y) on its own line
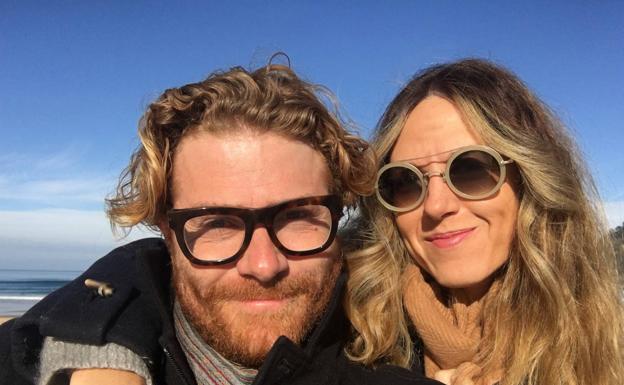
point(388, 374)
point(124, 262)
point(332, 366)
point(126, 314)
point(8, 374)
point(120, 282)
point(120, 270)
point(6, 365)
point(384, 374)
point(123, 257)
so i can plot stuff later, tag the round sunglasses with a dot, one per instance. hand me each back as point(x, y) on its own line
point(472, 172)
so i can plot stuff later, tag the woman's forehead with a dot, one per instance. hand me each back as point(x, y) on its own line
point(442, 156)
point(434, 129)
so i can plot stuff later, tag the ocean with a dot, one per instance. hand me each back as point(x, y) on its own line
point(21, 289)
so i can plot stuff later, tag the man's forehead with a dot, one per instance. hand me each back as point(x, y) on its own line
point(246, 170)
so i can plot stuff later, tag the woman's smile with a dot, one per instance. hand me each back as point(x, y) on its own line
point(449, 239)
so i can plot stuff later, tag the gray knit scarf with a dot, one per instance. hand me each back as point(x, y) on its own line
point(208, 366)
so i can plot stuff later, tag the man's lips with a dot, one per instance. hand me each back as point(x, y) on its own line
point(262, 304)
point(449, 239)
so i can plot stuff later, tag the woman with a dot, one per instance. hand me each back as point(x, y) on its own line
point(486, 255)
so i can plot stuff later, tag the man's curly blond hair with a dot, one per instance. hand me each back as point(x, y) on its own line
point(270, 99)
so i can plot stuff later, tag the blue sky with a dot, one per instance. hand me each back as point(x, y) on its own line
point(75, 76)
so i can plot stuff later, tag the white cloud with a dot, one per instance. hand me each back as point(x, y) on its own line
point(52, 211)
point(63, 159)
point(52, 180)
point(60, 238)
point(60, 226)
point(60, 160)
point(615, 213)
point(57, 192)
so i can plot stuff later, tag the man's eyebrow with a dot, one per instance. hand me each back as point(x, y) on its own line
point(202, 204)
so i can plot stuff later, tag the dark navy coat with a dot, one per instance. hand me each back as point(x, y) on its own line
point(138, 316)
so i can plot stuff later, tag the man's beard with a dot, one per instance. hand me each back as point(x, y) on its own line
point(245, 337)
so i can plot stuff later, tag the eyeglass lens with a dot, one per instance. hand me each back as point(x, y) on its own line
point(400, 186)
point(473, 173)
point(215, 237)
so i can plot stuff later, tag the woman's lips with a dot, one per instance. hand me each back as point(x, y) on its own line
point(449, 239)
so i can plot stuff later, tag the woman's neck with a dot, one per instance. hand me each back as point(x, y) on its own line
point(470, 294)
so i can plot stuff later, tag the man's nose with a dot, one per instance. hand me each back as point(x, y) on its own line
point(262, 260)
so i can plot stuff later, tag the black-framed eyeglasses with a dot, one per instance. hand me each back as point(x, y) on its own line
point(219, 235)
point(472, 172)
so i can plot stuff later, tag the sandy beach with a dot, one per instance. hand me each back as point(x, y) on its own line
point(4, 319)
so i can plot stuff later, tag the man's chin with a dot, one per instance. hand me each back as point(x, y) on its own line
point(245, 332)
point(242, 320)
point(250, 346)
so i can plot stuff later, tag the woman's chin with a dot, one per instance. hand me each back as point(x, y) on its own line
point(461, 287)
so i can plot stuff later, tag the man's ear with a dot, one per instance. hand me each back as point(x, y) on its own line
point(165, 230)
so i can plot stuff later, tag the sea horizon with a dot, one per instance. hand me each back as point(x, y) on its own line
point(20, 289)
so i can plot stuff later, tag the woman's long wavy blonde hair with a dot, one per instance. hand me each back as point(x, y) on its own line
point(558, 316)
point(270, 99)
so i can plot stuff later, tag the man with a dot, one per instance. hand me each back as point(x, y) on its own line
point(246, 176)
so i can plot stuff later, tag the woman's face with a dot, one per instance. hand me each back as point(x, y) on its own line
point(460, 242)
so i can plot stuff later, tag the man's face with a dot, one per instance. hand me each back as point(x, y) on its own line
point(241, 308)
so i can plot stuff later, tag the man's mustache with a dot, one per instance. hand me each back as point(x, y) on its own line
point(250, 289)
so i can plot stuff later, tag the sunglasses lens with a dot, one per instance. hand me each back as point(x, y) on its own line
point(399, 187)
point(475, 173)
